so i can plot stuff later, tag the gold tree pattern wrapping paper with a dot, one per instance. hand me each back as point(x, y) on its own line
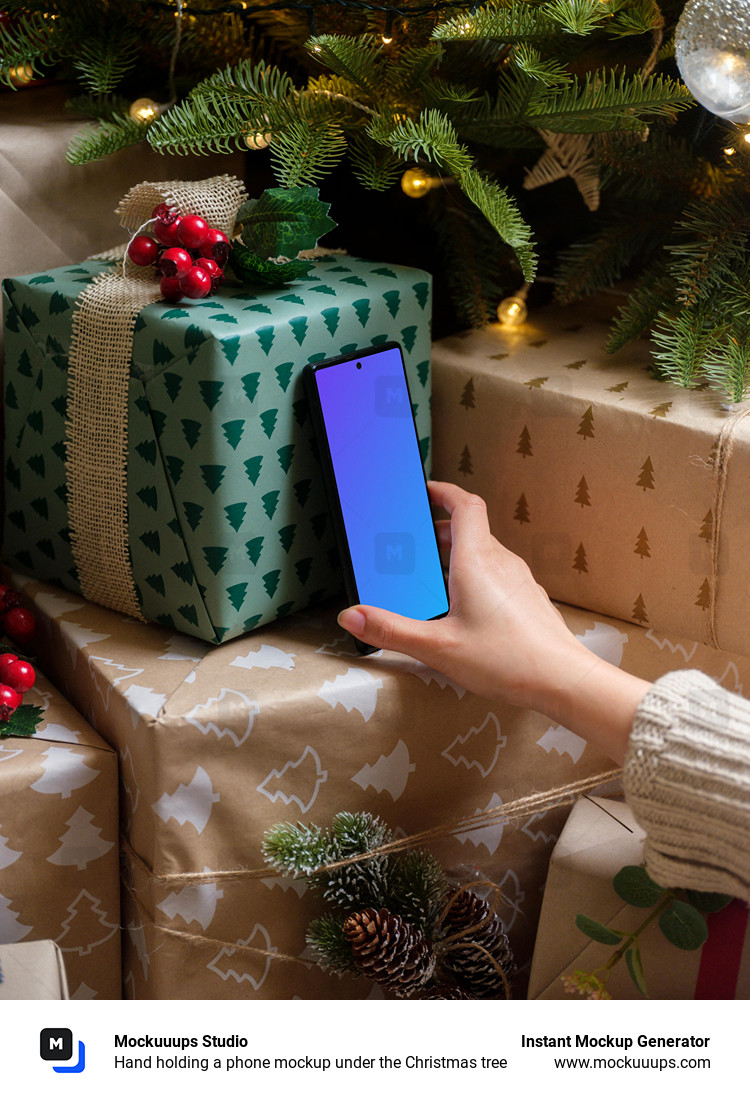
point(626, 495)
point(59, 855)
point(290, 723)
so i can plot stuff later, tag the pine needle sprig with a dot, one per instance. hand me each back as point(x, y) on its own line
point(374, 166)
point(509, 23)
point(30, 46)
point(103, 60)
point(93, 143)
point(653, 294)
point(361, 61)
point(683, 341)
point(607, 100)
point(325, 935)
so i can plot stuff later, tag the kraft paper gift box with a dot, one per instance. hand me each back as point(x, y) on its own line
point(32, 972)
point(216, 744)
point(600, 837)
point(227, 523)
point(625, 494)
point(59, 856)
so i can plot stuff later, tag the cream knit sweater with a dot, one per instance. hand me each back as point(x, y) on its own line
point(687, 779)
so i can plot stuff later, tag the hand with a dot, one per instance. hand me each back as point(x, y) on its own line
point(503, 638)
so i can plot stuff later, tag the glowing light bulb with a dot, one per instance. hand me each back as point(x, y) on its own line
point(386, 40)
point(144, 109)
point(746, 137)
point(512, 310)
point(415, 183)
point(21, 74)
point(257, 139)
point(730, 151)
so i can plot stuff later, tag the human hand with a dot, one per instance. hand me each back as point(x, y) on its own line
point(502, 638)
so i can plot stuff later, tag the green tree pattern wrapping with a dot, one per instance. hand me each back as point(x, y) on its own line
point(227, 513)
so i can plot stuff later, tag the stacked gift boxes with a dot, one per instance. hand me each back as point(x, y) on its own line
point(59, 856)
point(289, 723)
point(627, 496)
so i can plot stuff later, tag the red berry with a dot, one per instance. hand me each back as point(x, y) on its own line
point(6, 659)
point(196, 283)
point(10, 598)
point(169, 285)
point(168, 232)
point(9, 700)
point(164, 213)
point(18, 675)
point(212, 268)
point(19, 624)
point(216, 246)
point(143, 250)
point(175, 261)
point(193, 230)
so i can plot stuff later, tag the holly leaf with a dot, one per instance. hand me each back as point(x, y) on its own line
point(683, 926)
point(250, 268)
point(286, 220)
point(596, 931)
point(636, 887)
point(22, 722)
point(635, 969)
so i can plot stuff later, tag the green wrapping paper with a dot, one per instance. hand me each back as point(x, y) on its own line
point(228, 526)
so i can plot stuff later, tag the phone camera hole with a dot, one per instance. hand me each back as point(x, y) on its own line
point(359, 366)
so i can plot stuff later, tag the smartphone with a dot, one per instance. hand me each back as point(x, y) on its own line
point(371, 463)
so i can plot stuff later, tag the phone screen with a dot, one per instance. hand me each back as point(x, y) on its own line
point(370, 438)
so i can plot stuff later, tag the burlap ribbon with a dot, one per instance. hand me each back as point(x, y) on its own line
point(98, 379)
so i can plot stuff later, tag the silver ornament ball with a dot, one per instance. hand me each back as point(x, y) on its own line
point(712, 48)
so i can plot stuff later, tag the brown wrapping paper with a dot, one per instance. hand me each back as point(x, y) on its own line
point(626, 495)
point(216, 744)
point(59, 859)
point(599, 838)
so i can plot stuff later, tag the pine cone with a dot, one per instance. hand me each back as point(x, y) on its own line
point(469, 922)
point(389, 950)
point(444, 992)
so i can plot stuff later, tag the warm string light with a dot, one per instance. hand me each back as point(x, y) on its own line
point(513, 310)
point(415, 182)
point(144, 109)
point(19, 75)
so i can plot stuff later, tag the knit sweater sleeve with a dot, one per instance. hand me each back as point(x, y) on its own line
point(687, 779)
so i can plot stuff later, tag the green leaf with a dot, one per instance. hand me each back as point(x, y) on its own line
point(22, 722)
point(635, 969)
point(683, 926)
point(596, 931)
point(708, 903)
point(634, 886)
point(284, 221)
point(252, 269)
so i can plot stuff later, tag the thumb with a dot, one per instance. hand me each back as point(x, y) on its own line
point(387, 630)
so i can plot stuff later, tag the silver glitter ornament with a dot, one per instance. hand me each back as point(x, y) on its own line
point(712, 47)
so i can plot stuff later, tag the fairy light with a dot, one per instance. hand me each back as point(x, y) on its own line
point(387, 36)
point(21, 74)
point(730, 151)
point(513, 310)
point(746, 137)
point(415, 183)
point(257, 139)
point(144, 109)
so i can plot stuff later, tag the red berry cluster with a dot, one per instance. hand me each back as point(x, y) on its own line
point(16, 674)
point(187, 253)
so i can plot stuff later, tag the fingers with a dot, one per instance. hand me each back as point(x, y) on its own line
point(386, 630)
point(468, 512)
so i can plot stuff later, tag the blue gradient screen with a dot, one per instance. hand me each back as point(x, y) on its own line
point(377, 466)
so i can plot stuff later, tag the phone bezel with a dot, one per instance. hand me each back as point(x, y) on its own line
point(329, 478)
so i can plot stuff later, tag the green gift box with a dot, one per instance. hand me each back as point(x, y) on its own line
point(227, 522)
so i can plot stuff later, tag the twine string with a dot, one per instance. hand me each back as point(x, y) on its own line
point(724, 449)
point(510, 811)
